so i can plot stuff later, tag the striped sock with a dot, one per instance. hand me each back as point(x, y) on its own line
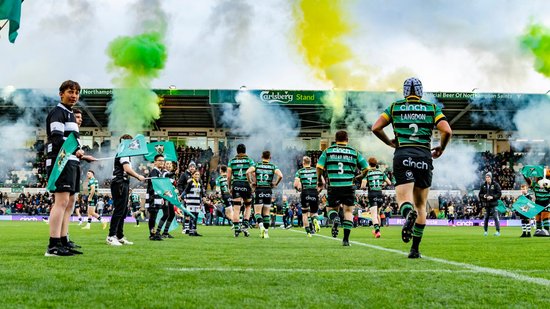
point(266, 222)
point(347, 224)
point(245, 223)
point(377, 228)
point(418, 231)
point(405, 209)
point(332, 215)
point(259, 219)
point(308, 230)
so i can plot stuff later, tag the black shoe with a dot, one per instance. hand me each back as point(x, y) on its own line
point(58, 251)
point(167, 235)
point(335, 227)
point(195, 234)
point(528, 234)
point(524, 235)
point(155, 237)
point(345, 243)
point(406, 231)
point(414, 254)
point(73, 251)
point(72, 245)
point(246, 233)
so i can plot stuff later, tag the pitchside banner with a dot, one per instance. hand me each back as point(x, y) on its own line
point(473, 222)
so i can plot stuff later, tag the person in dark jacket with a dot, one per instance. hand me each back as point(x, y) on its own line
point(489, 194)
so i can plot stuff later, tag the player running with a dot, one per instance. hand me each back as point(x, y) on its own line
point(92, 200)
point(374, 181)
point(240, 189)
point(340, 162)
point(223, 190)
point(304, 182)
point(413, 121)
point(261, 176)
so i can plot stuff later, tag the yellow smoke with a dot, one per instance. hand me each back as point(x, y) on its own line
point(321, 31)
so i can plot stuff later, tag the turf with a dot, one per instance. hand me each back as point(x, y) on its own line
point(287, 270)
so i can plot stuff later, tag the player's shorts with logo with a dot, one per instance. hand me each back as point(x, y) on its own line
point(135, 207)
point(226, 198)
point(376, 198)
point(92, 201)
point(69, 179)
point(413, 165)
point(310, 200)
point(340, 195)
point(241, 189)
point(262, 195)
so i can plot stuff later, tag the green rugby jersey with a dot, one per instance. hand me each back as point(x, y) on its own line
point(340, 161)
point(413, 121)
point(134, 198)
point(238, 165)
point(93, 182)
point(265, 172)
point(541, 194)
point(375, 179)
point(221, 182)
point(308, 177)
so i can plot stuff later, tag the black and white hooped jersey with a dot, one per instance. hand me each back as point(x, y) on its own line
point(60, 123)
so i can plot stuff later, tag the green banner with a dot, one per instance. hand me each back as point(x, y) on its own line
point(501, 208)
point(533, 171)
point(282, 97)
point(17, 189)
point(527, 207)
point(164, 188)
point(160, 92)
point(11, 10)
point(132, 147)
point(69, 146)
point(165, 148)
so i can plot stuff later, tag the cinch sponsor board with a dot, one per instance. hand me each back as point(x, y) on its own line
point(461, 222)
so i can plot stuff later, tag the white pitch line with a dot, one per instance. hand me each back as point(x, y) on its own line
point(309, 270)
point(473, 268)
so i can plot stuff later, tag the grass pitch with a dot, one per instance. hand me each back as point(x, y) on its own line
point(460, 268)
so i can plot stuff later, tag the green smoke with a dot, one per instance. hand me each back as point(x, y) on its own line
point(537, 40)
point(137, 60)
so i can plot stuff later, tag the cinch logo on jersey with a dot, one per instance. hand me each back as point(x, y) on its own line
point(413, 107)
point(420, 165)
point(265, 172)
point(271, 97)
point(341, 161)
point(308, 177)
point(311, 198)
point(413, 121)
point(238, 166)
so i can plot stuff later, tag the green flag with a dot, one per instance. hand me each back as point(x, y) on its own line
point(164, 188)
point(168, 149)
point(501, 207)
point(527, 207)
point(533, 171)
point(69, 146)
point(11, 10)
point(132, 147)
point(173, 225)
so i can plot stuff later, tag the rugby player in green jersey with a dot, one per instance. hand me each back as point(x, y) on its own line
point(92, 200)
point(413, 121)
point(240, 188)
point(222, 189)
point(374, 180)
point(261, 176)
point(304, 182)
point(340, 161)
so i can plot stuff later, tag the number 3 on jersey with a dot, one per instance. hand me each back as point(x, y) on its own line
point(340, 168)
